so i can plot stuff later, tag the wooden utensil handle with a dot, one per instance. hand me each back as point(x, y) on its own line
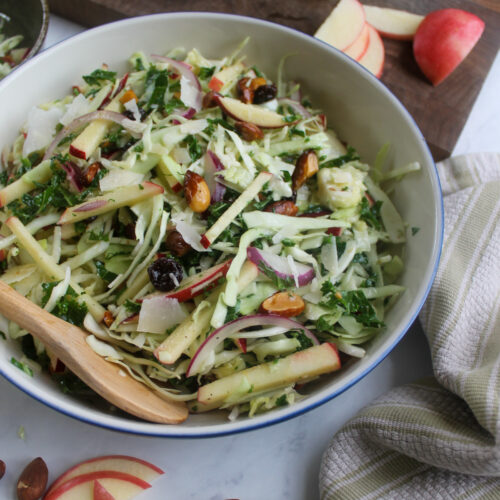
point(68, 343)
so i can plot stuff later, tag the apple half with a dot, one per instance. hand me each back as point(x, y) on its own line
point(393, 23)
point(373, 59)
point(251, 113)
point(443, 40)
point(119, 463)
point(344, 25)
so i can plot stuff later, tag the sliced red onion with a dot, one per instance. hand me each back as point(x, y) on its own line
point(91, 205)
point(213, 165)
point(106, 100)
point(185, 70)
point(187, 113)
point(89, 117)
point(280, 265)
point(121, 85)
point(296, 106)
point(225, 331)
point(74, 175)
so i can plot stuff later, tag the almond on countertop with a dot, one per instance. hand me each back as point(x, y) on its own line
point(33, 480)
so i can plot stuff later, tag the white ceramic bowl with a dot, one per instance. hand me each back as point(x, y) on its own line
point(361, 109)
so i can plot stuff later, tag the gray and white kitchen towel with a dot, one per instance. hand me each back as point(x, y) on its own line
point(439, 438)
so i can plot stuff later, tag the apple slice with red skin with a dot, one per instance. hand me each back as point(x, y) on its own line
point(101, 493)
point(299, 366)
point(118, 484)
point(373, 59)
point(196, 284)
point(251, 113)
point(120, 463)
point(120, 197)
point(443, 40)
point(358, 49)
point(393, 23)
point(225, 75)
point(344, 25)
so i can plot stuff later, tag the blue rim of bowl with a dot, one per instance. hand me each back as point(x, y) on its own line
point(247, 425)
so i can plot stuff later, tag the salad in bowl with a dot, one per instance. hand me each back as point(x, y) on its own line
point(205, 227)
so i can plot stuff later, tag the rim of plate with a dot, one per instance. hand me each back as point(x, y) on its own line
point(204, 431)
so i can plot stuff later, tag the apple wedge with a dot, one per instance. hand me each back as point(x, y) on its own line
point(193, 286)
point(298, 366)
point(251, 113)
point(358, 49)
point(393, 23)
point(373, 59)
point(344, 25)
point(119, 463)
point(119, 485)
point(88, 140)
point(237, 206)
point(121, 197)
point(222, 77)
point(443, 40)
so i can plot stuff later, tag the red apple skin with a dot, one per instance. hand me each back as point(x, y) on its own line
point(101, 493)
point(443, 39)
point(54, 494)
point(62, 478)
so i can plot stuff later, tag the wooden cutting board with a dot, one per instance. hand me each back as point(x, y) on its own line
point(440, 112)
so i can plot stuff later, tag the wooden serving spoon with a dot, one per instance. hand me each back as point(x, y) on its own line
point(68, 343)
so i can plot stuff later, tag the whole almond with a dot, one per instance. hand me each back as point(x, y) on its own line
point(305, 167)
point(249, 131)
point(33, 480)
point(2, 468)
point(283, 207)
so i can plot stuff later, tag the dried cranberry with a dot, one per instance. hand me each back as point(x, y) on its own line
point(165, 274)
point(264, 93)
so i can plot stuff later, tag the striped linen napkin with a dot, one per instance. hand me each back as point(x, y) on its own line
point(440, 438)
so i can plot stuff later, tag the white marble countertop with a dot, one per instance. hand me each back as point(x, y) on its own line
point(278, 462)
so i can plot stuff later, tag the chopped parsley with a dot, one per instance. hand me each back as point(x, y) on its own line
point(103, 273)
point(281, 401)
point(414, 230)
point(305, 341)
point(156, 85)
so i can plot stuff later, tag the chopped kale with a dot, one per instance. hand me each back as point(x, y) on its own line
point(103, 273)
point(132, 307)
point(22, 366)
point(173, 104)
point(281, 401)
point(354, 303)
point(206, 73)
point(67, 307)
point(305, 341)
point(212, 125)
point(194, 147)
point(99, 75)
point(351, 155)
point(279, 283)
point(138, 64)
point(371, 215)
point(233, 312)
point(156, 85)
